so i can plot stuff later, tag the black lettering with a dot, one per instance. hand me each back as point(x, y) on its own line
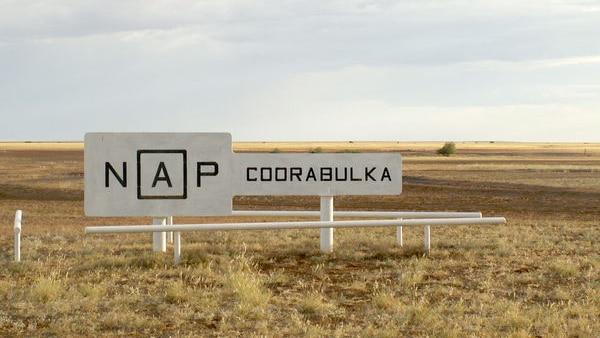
point(340, 178)
point(200, 171)
point(268, 177)
point(352, 178)
point(157, 177)
point(368, 173)
point(122, 179)
point(311, 175)
point(279, 177)
point(295, 172)
point(386, 174)
point(248, 178)
point(326, 174)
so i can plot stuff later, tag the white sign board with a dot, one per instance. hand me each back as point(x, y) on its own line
point(197, 174)
point(318, 174)
point(157, 174)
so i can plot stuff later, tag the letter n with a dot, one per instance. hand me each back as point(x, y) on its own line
point(122, 179)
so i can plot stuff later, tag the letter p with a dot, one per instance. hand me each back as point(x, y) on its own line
point(206, 169)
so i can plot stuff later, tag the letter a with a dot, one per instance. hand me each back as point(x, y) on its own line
point(386, 174)
point(165, 177)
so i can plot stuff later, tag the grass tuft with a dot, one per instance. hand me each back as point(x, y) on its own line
point(315, 306)
point(563, 268)
point(384, 300)
point(92, 292)
point(44, 290)
point(177, 293)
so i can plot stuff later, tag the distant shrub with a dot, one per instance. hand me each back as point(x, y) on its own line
point(316, 150)
point(448, 149)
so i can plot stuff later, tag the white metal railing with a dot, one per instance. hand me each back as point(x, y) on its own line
point(362, 214)
point(163, 225)
point(327, 234)
point(291, 225)
point(425, 219)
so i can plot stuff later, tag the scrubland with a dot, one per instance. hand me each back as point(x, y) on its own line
point(537, 276)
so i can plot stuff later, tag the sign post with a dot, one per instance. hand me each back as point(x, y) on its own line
point(159, 239)
point(326, 216)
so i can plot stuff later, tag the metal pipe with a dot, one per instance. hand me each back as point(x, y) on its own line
point(427, 237)
point(177, 247)
point(170, 233)
point(293, 225)
point(18, 220)
point(382, 214)
point(160, 236)
point(326, 234)
point(399, 235)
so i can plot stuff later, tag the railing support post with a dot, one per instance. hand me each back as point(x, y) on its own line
point(18, 220)
point(427, 235)
point(399, 235)
point(177, 247)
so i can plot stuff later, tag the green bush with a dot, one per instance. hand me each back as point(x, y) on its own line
point(448, 149)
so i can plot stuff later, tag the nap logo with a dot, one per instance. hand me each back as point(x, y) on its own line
point(161, 174)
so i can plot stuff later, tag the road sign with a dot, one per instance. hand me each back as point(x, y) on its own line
point(197, 174)
point(154, 174)
point(318, 174)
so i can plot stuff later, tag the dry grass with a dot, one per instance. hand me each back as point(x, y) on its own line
point(537, 276)
point(44, 146)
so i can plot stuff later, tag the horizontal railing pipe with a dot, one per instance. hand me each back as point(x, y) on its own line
point(358, 214)
point(292, 225)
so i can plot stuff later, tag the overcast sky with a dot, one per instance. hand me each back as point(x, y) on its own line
point(285, 70)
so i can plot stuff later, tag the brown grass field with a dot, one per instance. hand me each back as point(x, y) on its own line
point(537, 276)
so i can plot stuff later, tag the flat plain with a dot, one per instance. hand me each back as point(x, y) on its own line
point(536, 276)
